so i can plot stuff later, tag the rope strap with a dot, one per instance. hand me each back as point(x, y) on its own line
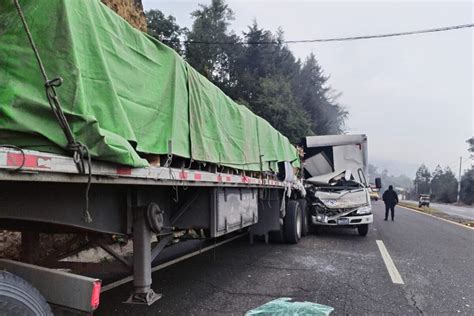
point(80, 151)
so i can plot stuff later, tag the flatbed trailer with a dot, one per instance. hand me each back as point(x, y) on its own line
point(225, 170)
point(44, 193)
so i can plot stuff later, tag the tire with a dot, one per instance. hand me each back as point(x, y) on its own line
point(305, 217)
point(363, 229)
point(293, 222)
point(18, 297)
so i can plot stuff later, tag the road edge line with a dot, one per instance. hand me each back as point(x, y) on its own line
point(440, 218)
point(389, 264)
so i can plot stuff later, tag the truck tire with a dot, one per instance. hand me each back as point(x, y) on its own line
point(363, 229)
point(18, 297)
point(293, 222)
point(305, 218)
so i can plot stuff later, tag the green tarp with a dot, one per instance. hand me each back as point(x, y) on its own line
point(286, 307)
point(124, 94)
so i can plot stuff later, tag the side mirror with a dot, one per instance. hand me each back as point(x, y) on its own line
point(378, 183)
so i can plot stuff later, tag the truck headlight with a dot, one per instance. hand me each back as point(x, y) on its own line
point(364, 210)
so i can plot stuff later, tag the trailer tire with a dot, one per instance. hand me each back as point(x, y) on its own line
point(363, 229)
point(305, 218)
point(293, 222)
point(18, 297)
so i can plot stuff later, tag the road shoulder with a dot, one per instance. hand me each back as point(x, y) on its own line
point(438, 215)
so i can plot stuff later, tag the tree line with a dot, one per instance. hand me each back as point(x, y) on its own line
point(442, 185)
point(400, 181)
point(293, 95)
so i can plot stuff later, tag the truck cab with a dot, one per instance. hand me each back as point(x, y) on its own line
point(335, 173)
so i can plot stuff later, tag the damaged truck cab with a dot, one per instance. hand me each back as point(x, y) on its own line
point(335, 172)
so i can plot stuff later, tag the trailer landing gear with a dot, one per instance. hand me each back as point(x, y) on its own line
point(143, 257)
point(147, 298)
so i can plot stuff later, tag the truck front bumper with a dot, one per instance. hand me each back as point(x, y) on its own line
point(345, 220)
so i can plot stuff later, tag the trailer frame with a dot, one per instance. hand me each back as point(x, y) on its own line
point(136, 202)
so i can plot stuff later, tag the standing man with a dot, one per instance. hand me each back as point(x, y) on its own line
point(390, 198)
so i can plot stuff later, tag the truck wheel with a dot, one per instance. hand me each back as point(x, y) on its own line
point(18, 297)
point(293, 222)
point(305, 218)
point(363, 229)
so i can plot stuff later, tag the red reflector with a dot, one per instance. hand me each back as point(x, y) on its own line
point(124, 171)
point(95, 298)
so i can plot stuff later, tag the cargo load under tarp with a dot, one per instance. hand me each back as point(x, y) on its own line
point(124, 93)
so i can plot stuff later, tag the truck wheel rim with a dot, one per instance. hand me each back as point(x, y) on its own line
point(298, 225)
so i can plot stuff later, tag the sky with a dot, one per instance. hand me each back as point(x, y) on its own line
point(412, 96)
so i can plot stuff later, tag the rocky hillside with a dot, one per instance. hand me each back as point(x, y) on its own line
point(130, 10)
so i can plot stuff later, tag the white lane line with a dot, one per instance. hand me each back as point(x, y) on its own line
point(392, 270)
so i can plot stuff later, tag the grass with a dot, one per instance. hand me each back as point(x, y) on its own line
point(438, 213)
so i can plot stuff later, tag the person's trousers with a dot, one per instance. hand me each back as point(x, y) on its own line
point(391, 208)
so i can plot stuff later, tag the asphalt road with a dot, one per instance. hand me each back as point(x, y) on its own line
point(336, 268)
point(461, 211)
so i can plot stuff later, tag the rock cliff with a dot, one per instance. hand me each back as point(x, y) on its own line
point(130, 10)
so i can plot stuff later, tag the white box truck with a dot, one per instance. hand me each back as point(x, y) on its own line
point(336, 179)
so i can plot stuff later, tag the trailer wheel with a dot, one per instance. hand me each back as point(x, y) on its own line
point(363, 229)
point(293, 222)
point(305, 218)
point(18, 297)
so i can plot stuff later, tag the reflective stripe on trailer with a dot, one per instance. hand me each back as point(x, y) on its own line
point(12, 159)
point(32, 161)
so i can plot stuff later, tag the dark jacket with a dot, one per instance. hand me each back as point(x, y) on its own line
point(390, 197)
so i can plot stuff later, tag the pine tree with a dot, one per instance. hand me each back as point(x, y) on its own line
point(467, 187)
point(203, 51)
point(318, 99)
point(422, 180)
point(165, 29)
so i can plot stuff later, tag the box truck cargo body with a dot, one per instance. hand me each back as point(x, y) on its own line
point(335, 172)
